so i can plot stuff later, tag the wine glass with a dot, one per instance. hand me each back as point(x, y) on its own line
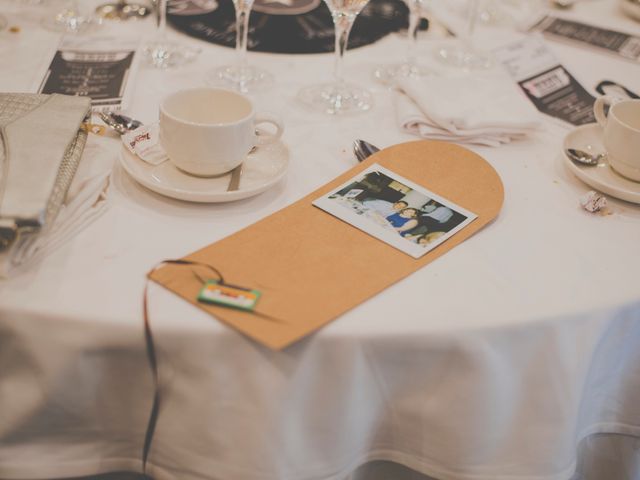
point(162, 52)
point(409, 68)
point(241, 76)
point(68, 19)
point(339, 96)
point(463, 54)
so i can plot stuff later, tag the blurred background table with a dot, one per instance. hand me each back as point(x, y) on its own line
point(513, 356)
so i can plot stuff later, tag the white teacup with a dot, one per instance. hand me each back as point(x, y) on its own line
point(209, 131)
point(621, 134)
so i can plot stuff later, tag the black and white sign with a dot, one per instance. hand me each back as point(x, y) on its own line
point(609, 41)
point(99, 70)
point(549, 85)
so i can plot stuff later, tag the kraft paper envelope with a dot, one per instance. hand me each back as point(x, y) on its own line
point(311, 267)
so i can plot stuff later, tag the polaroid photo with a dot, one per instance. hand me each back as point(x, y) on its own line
point(396, 211)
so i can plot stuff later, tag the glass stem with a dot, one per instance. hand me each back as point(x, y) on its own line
point(243, 8)
point(162, 18)
point(473, 7)
point(343, 23)
point(414, 22)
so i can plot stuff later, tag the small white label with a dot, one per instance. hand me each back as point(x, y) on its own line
point(145, 143)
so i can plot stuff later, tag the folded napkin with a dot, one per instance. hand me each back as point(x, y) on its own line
point(86, 200)
point(484, 109)
point(41, 147)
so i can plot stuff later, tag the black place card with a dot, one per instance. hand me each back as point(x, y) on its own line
point(547, 83)
point(557, 93)
point(98, 73)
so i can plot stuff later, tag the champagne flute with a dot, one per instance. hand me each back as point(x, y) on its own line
point(409, 68)
point(162, 52)
point(67, 19)
point(463, 54)
point(241, 76)
point(339, 96)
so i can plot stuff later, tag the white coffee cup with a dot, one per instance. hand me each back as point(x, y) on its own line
point(209, 131)
point(621, 134)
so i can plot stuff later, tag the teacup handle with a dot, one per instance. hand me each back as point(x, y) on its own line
point(598, 109)
point(266, 138)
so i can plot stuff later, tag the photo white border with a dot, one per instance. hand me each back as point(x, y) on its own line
point(390, 237)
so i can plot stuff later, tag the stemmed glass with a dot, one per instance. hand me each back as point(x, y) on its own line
point(463, 54)
point(409, 68)
point(241, 76)
point(162, 52)
point(339, 96)
point(68, 19)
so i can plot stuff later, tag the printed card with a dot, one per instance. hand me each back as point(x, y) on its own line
point(612, 42)
point(99, 68)
point(547, 84)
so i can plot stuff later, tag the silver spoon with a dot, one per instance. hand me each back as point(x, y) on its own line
point(584, 158)
point(363, 149)
point(120, 123)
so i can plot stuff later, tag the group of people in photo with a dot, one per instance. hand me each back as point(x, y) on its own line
point(422, 225)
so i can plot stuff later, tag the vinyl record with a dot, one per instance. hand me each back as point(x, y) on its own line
point(285, 26)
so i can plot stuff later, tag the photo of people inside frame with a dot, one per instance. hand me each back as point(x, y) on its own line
point(391, 208)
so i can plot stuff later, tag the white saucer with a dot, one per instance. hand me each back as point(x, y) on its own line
point(262, 169)
point(602, 177)
point(631, 8)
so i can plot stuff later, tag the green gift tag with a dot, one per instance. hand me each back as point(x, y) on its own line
point(229, 295)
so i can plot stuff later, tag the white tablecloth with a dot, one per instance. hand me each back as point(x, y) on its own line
point(493, 362)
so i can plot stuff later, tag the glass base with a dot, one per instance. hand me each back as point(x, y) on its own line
point(242, 78)
point(464, 57)
point(336, 99)
point(387, 74)
point(67, 21)
point(122, 11)
point(163, 53)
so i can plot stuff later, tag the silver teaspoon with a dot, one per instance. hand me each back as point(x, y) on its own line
point(584, 158)
point(120, 123)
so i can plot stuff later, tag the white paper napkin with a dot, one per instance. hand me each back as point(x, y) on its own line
point(86, 200)
point(481, 108)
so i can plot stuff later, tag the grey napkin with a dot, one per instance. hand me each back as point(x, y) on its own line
point(41, 144)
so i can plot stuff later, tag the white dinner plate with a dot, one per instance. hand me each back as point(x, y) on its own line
point(261, 170)
point(602, 177)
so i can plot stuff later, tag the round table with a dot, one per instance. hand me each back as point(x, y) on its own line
point(494, 362)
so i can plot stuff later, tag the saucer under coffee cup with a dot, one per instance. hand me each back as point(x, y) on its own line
point(209, 131)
